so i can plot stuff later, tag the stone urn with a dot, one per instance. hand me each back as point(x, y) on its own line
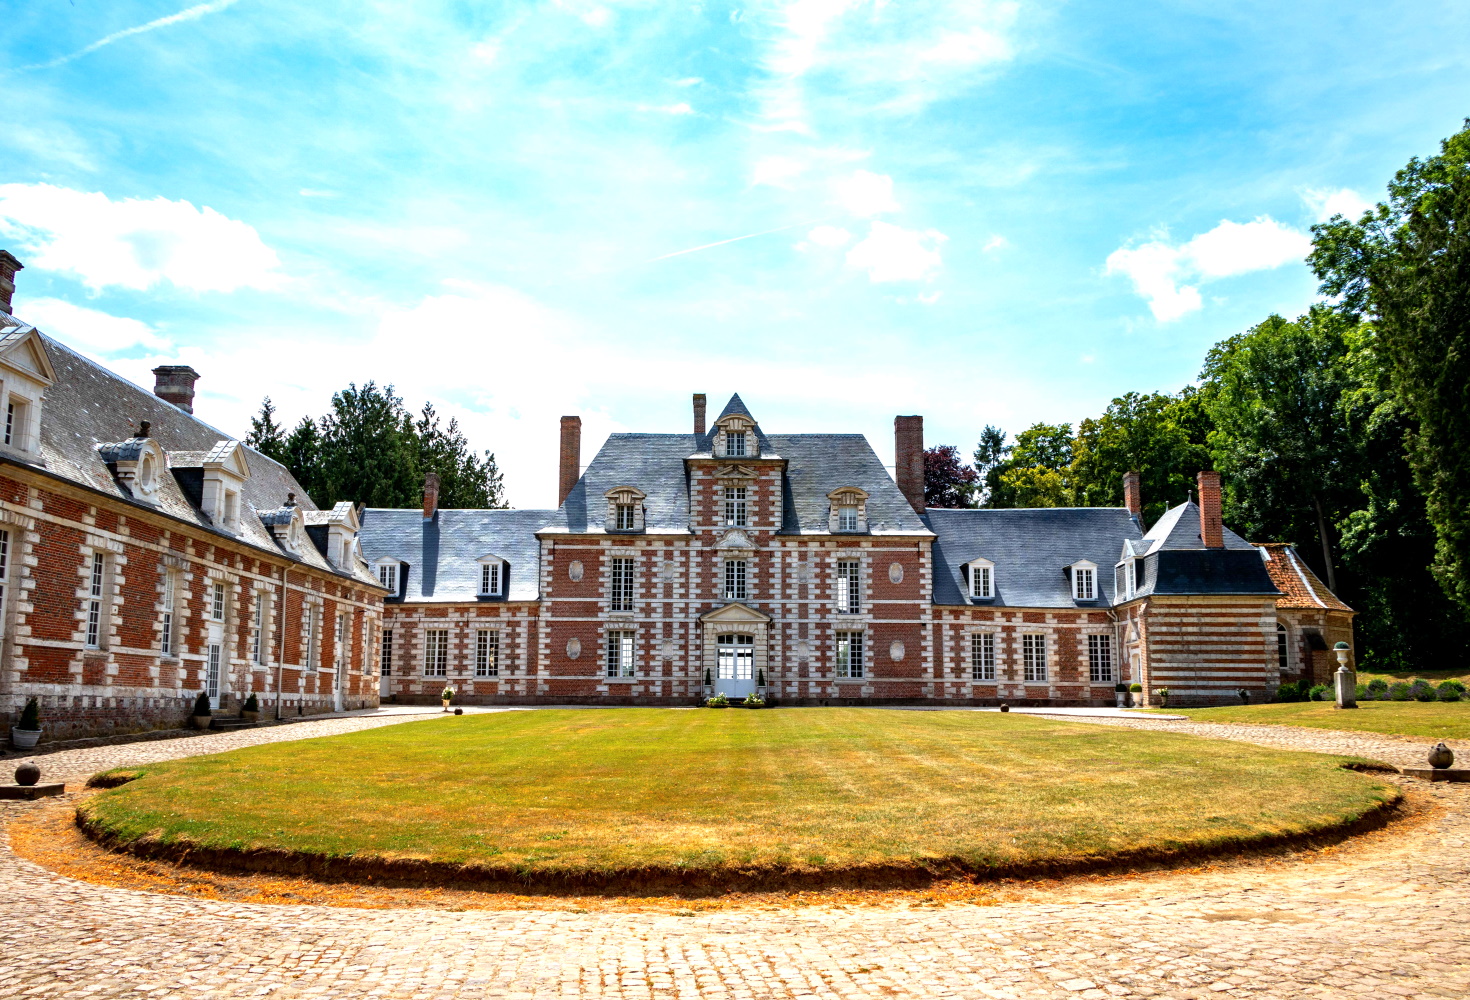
point(28, 773)
point(24, 739)
point(1441, 756)
point(250, 717)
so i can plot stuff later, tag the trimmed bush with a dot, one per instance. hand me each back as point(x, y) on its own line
point(1362, 693)
point(1399, 692)
point(201, 705)
point(1422, 691)
point(1136, 688)
point(1449, 691)
point(1290, 691)
point(1378, 686)
point(1319, 692)
point(251, 704)
point(30, 716)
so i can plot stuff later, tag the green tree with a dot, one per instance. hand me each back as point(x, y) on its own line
point(1161, 437)
point(1406, 264)
point(266, 436)
point(990, 456)
point(302, 454)
point(369, 449)
point(465, 480)
point(1033, 472)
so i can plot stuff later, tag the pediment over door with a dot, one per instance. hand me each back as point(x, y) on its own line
point(735, 613)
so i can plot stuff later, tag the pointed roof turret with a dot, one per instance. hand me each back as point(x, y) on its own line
point(736, 406)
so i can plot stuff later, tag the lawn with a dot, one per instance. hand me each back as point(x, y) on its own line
point(577, 796)
point(1435, 719)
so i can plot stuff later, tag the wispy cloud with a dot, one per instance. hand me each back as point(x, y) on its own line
point(733, 239)
point(188, 14)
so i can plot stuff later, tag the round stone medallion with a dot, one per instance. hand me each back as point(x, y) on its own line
point(574, 648)
point(895, 650)
point(574, 570)
point(895, 573)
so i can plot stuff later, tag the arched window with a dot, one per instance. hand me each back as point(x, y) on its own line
point(1283, 660)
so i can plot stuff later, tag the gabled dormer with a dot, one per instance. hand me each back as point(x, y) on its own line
point(848, 511)
point(25, 375)
point(225, 473)
point(139, 463)
point(342, 528)
point(735, 433)
point(624, 509)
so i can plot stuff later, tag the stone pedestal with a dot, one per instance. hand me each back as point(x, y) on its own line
point(31, 791)
point(1347, 687)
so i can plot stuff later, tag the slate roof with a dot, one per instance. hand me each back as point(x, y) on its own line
point(1175, 561)
point(654, 463)
point(89, 405)
point(1029, 547)
point(1179, 529)
point(442, 553)
point(817, 464)
point(1296, 581)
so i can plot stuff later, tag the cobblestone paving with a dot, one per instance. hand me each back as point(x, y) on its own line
point(1384, 923)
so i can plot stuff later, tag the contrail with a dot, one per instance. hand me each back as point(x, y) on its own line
point(733, 239)
point(189, 14)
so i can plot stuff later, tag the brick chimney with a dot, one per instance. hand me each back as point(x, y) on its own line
point(431, 495)
point(1133, 493)
point(908, 459)
point(699, 414)
point(8, 266)
point(571, 457)
point(175, 384)
point(1211, 529)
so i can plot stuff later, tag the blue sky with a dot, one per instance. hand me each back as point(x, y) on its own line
point(984, 212)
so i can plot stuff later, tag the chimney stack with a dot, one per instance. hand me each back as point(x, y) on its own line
point(1133, 493)
point(908, 459)
point(175, 384)
point(571, 457)
point(1211, 529)
point(699, 414)
point(431, 495)
point(8, 266)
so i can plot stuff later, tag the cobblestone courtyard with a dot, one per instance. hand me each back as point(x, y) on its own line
point(1385, 921)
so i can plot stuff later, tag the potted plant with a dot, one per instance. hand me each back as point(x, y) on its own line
point(754, 700)
point(760, 680)
point(446, 696)
point(718, 701)
point(1120, 691)
point(250, 711)
point(27, 732)
point(203, 715)
point(1163, 695)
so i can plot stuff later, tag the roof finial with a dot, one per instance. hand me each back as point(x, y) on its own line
point(143, 429)
point(1189, 496)
point(290, 500)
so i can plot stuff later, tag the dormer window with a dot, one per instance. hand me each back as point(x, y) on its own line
point(626, 516)
point(492, 576)
point(849, 510)
point(847, 519)
point(225, 473)
point(981, 579)
point(624, 509)
point(16, 413)
point(388, 576)
point(1084, 581)
point(735, 444)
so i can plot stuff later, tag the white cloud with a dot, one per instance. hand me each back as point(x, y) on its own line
point(188, 14)
point(829, 236)
point(866, 194)
point(487, 51)
point(91, 330)
point(689, 81)
point(1325, 203)
point(1159, 271)
point(682, 108)
point(892, 253)
point(777, 171)
point(996, 242)
point(134, 243)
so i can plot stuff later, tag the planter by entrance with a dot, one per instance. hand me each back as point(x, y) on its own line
point(251, 717)
point(201, 721)
point(24, 739)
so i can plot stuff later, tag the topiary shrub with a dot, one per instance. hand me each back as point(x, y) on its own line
point(1245, 697)
point(1450, 691)
point(1318, 692)
point(30, 716)
point(1422, 691)
point(201, 705)
point(1135, 688)
point(760, 678)
point(251, 704)
point(1399, 692)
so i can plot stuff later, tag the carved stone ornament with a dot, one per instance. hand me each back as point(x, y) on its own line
point(574, 570)
point(666, 651)
point(669, 569)
point(803, 572)
point(895, 572)
point(574, 648)
point(803, 650)
point(895, 650)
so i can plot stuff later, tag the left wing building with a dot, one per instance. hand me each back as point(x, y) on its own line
point(146, 556)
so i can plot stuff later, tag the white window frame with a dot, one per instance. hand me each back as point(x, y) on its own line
point(1102, 666)
point(340, 653)
point(385, 653)
point(258, 645)
point(167, 636)
point(309, 625)
point(621, 572)
point(848, 586)
point(436, 652)
point(1033, 657)
point(737, 580)
point(847, 653)
point(96, 591)
point(621, 654)
point(982, 580)
point(737, 511)
point(732, 439)
point(217, 601)
point(487, 652)
point(982, 656)
point(847, 518)
point(17, 417)
point(4, 571)
point(388, 576)
point(1084, 581)
point(491, 577)
point(625, 516)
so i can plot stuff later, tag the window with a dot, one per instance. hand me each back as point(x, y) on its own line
point(735, 657)
point(736, 588)
point(735, 444)
point(626, 517)
point(385, 654)
point(15, 423)
point(982, 656)
point(847, 519)
point(166, 637)
point(94, 602)
point(621, 593)
point(212, 672)
point(1033, 657)
point(487, 653)
point(217, 602)
point(436, 652)
point(849, 593)
point(981, 581)
point(1132, 577)
point(388, 577)
point(1283, 658)
point(1100, 658)
point(490, 579)
point(341, 653)
point(232, 509)
point(11, 427)
point(735, 506)
point(257, 628)
point(308, 638)
point(849, 654)
point(4, 568)
point(620, 654)
point(1083, 583)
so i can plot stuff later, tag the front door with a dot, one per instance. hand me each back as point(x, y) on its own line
point(736, 660)
point(213, 672)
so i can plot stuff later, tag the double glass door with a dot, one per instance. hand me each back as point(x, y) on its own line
point(736, 659)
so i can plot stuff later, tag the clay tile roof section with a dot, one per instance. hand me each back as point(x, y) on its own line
point(1299, 586)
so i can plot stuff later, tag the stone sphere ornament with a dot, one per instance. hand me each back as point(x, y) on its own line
point(28, 773)
point(1439, 757)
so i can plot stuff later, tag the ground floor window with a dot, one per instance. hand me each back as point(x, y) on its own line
point(849, 654)
point(620, 646)
point(736, 657)
point(982, 656)
point(487, 653)
point(1033, 657)
point(436, 652)
point(1283, 658)
point(385, 655)
point(1100, 658)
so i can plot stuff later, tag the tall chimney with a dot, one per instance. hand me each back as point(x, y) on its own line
point(8, 266)
point(571, 457)
point(1133, 493)
point(699, 414)
point(175, 384)
point(1211, 530)
point(908, 459)
point(431, 495)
